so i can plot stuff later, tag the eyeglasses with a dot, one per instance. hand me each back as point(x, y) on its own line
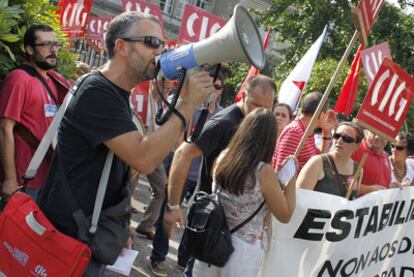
point(149, 41)
point(398, 147)
point(217, 86)
point(49, 44)
point(345, 138)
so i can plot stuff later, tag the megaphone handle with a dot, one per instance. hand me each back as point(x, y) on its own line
point(160, 117)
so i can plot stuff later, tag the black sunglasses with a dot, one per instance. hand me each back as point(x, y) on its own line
point(217, 86)
point(345, 138)
point(398, 147)
point(149, 41)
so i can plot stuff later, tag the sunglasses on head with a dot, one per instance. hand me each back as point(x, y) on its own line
point(149, 41)
point(398, 147)
point(345, 138)
point(217, 86)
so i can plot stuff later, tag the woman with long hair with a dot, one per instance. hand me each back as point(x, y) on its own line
point(244, 179)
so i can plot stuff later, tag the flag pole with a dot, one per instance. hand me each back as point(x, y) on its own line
point(327, 93)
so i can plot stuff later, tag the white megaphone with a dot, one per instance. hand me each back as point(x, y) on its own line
point(239, 40)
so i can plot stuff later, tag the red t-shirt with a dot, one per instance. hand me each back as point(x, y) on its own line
point(377, 168)
point(24, 99)
point(288, 142)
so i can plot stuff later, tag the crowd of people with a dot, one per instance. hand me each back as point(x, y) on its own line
point(237, 153)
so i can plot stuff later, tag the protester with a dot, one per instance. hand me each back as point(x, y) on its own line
point(158, 178)
point(217, 132)
point(284, 115)
point(291, 136)
point(377, 168)
point(245, 179)
point(98, 119)
point(333, 172)
point(402, 172)
point(27, 107)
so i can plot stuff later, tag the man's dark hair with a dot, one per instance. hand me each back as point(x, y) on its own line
point(30, 35)
point(29, 38)
point(120, 27)
point(310, 103)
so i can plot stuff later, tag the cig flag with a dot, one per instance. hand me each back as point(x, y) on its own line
point(292, 88)
point(253, 71)
point(346, 99)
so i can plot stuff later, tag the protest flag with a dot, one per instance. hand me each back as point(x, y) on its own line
point(346, 99)
point(292, 88)
point(253, 71)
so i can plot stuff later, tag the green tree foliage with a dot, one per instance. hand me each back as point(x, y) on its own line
point(15, 17)
point(300, 23)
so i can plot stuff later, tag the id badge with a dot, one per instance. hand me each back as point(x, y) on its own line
point(50, 110)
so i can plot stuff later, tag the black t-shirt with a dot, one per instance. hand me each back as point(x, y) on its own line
point(99, 111)
point(214, 138)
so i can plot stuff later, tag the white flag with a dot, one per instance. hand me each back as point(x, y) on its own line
point(291, 89)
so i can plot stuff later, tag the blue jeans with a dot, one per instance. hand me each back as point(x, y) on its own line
point(160, 244)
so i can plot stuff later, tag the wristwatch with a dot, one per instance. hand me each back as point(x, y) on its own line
point(172, 207)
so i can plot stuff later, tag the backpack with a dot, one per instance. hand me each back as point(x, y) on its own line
point(207, 236)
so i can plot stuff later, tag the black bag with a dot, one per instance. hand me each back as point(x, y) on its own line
point(207, 236)
point(112, 232)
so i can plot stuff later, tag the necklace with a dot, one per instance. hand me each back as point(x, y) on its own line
point(397, 173)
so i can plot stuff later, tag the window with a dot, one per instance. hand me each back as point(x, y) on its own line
point(204, 4)
point(166, 6)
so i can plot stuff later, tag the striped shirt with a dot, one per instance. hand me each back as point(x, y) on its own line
point(288, 142)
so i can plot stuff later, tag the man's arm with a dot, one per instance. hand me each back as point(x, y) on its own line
point(145, 153)
point(328, 125)
point(178, 173)
point(180, 167)
point(8, 164)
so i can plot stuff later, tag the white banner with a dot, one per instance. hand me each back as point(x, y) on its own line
point(371, 236)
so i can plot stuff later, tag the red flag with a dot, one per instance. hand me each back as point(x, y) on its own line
point(346, 99)
point(253, 71)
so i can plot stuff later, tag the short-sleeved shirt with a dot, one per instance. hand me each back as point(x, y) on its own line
point(377, 168)
point(25, 100)
point(98, 112)
point(288, 142)
point(194, 172)
point(213, 139)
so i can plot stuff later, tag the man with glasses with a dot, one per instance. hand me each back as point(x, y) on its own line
point(29, 97)
point(214, 137)
point(99, 119)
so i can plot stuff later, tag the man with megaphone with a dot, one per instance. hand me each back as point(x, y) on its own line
point(98, 120)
